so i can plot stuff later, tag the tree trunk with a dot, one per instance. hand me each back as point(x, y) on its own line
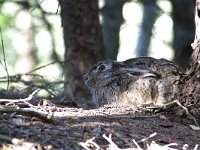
point(183, 19)
point(82, 42)
point(150, 13)
point(190, 84)
point(112, 20)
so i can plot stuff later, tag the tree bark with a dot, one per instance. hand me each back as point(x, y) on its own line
point(183, 19)
point(190, 83)
point(82, 42)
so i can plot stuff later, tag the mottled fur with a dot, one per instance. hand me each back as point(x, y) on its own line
point(134, 82)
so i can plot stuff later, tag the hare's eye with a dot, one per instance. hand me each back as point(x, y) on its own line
point(101, 68)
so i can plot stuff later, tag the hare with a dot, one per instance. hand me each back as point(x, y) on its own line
point(134, 82)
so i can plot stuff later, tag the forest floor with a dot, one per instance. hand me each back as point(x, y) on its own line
point(48, 126)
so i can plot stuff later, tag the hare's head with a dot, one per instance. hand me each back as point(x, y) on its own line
point(99, 72)
point(108, 71)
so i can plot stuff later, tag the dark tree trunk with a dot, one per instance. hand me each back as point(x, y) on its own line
point(190, 84)
point(183, 18)
point(150, 13)
point(112, 20)
point(82, 42)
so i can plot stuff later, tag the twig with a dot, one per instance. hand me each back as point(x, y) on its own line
point(4, 59)
point(178, 103)
point(54, 54)
point(136, 144)
point(39, 4)
point(88, 142)
point(20, 100)
point(112, 144)
point(37, 82)
point(34, 112)
point(187, 111)
point(23, 101)
point(43, 67)
point(156, 146)
point(196, 146)
point(147, 138)
point(57, 8)
point(153, 145)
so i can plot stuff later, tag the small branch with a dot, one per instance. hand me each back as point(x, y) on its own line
point(23, 101)
point(57, 8)
point(34, 112)
point(43, 67)
point(36, 6)
point(89, 142)
point(147, 138)
point(4, 59)
point(20, 100)
point(187, 111)
point(37, 81)
point(112, 144)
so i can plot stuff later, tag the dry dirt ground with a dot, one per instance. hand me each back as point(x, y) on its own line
point(47, 126)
